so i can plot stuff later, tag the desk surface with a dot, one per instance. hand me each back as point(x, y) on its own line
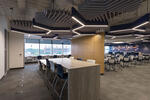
point(69, 63)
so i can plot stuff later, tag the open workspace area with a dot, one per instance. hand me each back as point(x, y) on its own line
point(74, 49)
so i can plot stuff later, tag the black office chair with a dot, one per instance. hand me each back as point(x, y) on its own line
point(80, 59)
point(68, 56)
point(61, 83)
point(39, 57)
point(55, 56)
point(40, 66)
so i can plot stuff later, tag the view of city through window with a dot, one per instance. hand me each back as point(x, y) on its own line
point(35, 49)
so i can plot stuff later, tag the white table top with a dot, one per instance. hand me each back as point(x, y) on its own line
point(69, 63)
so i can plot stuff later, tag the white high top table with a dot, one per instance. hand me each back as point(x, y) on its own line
point(83, 78)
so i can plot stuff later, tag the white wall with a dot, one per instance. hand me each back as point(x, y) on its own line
point(3, 26)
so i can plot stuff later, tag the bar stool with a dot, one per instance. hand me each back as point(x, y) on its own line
point(61, 81)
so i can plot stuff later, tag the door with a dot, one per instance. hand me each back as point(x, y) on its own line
point(6, 51)
point(16, 50)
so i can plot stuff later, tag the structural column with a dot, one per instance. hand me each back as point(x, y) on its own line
point(90, 47)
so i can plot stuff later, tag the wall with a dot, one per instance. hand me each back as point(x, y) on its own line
point(16, 50)
point(90, 47)
point(3, 26)
point(143, 47)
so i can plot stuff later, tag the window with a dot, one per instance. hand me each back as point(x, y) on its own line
point(107, 49)
point(57, 49)
point(67, 49)
point(31, 49)
point(35, 47)
point(45, 49)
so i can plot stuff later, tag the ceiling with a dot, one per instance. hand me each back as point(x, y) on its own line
point(57, 14)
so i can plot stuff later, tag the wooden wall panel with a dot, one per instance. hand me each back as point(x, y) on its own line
point(90, 47)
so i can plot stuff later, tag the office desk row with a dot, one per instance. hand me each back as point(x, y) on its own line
point(83, 78)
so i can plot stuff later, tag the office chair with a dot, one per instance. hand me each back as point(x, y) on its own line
point(55, 56)
point(80, 59)
point(61, 82)
point(111, 63)
point(39, 57)
point(68, 56)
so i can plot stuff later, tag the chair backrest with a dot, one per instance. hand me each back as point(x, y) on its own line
point(39, 57)
point(60, 70)
point(79, 59)
point(48, 63)
point(91, 61)
point(140, 57)
point(52, 66)
point(121, 57)
point(111, 61)
point(68, 56)
point(126, 59)
point(55, 56)
point(131, 57)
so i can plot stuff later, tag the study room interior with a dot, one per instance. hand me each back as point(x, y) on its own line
point(74, 49)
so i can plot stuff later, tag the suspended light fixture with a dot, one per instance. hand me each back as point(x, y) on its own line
point(83, 25)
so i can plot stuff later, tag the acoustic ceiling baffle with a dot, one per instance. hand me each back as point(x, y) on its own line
point(134, 26)
point(49, 30)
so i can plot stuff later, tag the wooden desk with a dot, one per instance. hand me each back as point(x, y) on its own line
point(83, 78)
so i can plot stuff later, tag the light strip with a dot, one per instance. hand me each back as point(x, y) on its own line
point(40, 27)
point(113, 37)
point(48, 32)
point(96, 25)
point(60, 30)
point(141, 25)
point(78, 28)
point(83, 25)
point(76, 32)
point(24, 32)
point(74, 18)
point(118, 42)
point(134, 28)
point(140, 30)
point(121, 30)
point(18, 32)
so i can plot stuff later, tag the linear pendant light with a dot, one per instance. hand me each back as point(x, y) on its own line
point(39, 27)
point(141, 25)
point(16, 31)
point(49, 30)
point(83, 25)
point(136, 28)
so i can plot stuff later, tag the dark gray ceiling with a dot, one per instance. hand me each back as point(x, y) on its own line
point(58, 13)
